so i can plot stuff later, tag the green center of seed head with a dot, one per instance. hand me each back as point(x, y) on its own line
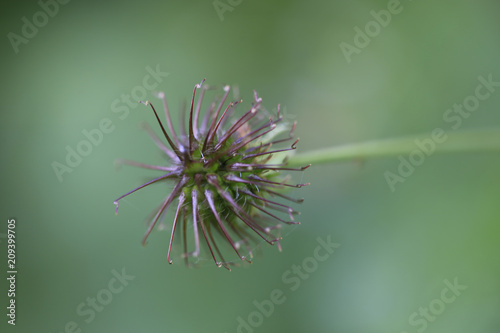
point(197, 166)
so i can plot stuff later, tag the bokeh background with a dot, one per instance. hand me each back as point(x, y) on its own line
point(397, 249)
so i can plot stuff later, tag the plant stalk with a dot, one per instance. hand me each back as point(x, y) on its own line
point(487, 140)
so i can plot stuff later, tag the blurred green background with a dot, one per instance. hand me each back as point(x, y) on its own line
point(396, 248)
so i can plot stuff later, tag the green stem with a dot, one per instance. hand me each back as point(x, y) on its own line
point(453, 142)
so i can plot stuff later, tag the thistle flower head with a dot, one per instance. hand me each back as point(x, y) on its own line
point(223, 182)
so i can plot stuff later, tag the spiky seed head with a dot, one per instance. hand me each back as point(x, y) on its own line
point(223, 180)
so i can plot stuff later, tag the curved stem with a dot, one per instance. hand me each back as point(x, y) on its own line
point(453, 142)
